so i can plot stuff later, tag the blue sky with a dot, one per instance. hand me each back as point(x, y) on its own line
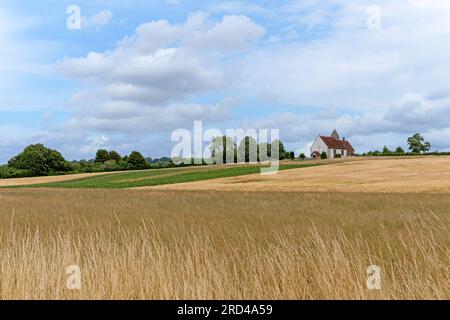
point(377, 71)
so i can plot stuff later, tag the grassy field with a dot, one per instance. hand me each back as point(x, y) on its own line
point(157, 177)
point(136, 244)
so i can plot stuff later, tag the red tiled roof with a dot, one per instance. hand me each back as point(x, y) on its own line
point(349, 147)
point(334, 143)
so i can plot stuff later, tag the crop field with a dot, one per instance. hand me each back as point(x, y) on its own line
point(401, 175)
point(132, 179)
point(17, 182)
point(225, 244)
point(210, 245)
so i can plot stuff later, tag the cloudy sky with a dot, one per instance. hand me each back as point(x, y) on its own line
point(136, 70)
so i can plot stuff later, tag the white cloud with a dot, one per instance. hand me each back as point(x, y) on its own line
point(239, 7)
point(144, 83)
point(317, 55)
point(13, 138)
point(427, 114)
point(233, 33)
point(95, 143)
point(339, 63)
point(131, 117)
point(98, 20)
point(355, 75)
point(421, 112)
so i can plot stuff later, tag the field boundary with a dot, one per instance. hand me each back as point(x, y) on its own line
point(155, 177)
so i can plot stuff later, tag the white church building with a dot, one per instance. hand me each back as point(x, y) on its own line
point(333, 146)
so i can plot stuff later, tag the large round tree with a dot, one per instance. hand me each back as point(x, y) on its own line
point(102, 156)
point(137, 161)
point(40, 160)
point(417, 144)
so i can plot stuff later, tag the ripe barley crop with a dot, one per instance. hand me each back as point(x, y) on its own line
point(133, 244)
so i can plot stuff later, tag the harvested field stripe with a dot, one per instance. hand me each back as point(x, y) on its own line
point(156, 177)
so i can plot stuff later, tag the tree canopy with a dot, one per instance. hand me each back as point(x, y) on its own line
point(114, 155)
point(248, 150)
point(40, 160)
point(399, 150)
point(386, 150)
point(223, 150)
point(137, 161)
point(278, 147)
point(418, 144)
point(101, 156)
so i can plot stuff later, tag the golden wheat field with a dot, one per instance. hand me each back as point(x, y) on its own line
point(139, 244)
point(398, 175)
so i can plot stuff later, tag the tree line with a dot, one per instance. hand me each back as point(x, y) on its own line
point(39, 160)
point(225, 150)
point(416, 145)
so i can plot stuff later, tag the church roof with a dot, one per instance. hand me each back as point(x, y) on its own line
point(334, 143)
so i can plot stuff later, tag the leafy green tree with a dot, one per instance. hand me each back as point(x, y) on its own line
point(264, 151)
point(417, 144)
point(292, 155)
point(101, 156)
point(323, 155)
point(40, 160)
point(248, 150)
point(137, 161)
point(278, 146)
point(386, 150)
point(223, 150)
point(114, 155)
point(302, 156)
point(111, 165)
point(399, 150)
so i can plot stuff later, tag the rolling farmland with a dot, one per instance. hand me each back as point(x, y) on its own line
point(141, 178)
point(157, 242)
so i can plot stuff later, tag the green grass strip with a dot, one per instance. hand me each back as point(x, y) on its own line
point(157, 177)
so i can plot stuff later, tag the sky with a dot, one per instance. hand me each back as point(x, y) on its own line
point(131, 72)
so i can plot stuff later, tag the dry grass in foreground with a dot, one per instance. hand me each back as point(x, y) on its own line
point(185, 245)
